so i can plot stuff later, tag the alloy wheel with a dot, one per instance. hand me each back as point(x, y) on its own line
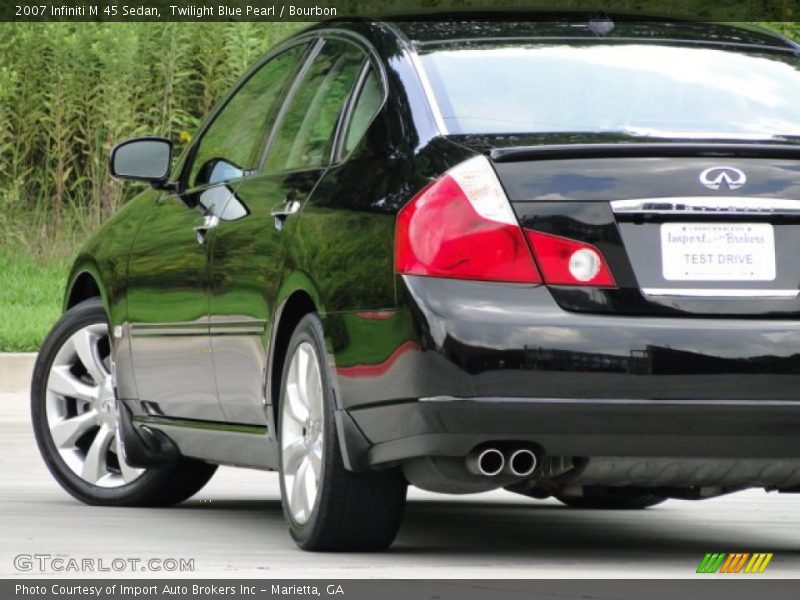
point(302, 432)
point(82, 412)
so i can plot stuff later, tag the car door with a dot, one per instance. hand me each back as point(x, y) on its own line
point(250, 244)
point(168, 300)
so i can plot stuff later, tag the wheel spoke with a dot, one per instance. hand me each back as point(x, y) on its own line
point(129, 473)
point(302, 374)
point(310, 485)
point(294, 405)
point(315, 458)
point(85, 343)
point(298, 488)
point(67, 431)
point(314, 392)
point(293, 455)
point(95, 466)
point(64, 383)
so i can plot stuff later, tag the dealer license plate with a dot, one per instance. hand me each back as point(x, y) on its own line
point(718, 251)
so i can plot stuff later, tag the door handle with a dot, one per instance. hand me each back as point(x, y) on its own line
point(290, 207)
point(209, 222)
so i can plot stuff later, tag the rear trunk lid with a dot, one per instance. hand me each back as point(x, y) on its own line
point(689, 228)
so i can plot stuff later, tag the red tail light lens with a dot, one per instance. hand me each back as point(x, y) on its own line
point(564, 261)
point(462, 227)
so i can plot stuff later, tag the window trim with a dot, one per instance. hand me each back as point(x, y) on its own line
point(316, 48)
point(427, 90)
point(343, 118)
point(373, 62)
point(371, 58)
point(343, 126)
point(184, 185)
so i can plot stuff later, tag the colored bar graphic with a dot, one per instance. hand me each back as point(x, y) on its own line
point(740, 564)
point(722, 562)
point(754, 563)
point(758, 563)
point(729, 562)
point(704, 563)
point(715, 567)
point(711, 562)
point(734, 562)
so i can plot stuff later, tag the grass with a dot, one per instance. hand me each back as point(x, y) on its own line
point(68, 93)
point(31, 290)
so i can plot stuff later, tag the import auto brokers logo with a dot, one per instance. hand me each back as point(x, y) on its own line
point(736, 562)
point(714, 178)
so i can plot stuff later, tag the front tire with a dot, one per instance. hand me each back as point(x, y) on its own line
point(74, 412)
point(327, 507)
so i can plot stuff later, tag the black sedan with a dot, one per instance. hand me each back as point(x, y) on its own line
point(556, 255)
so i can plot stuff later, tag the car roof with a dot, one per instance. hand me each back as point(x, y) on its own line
point(448, 27)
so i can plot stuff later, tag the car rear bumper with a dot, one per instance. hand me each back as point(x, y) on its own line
point(559, 427)
point(461, 363)
point(471, 340)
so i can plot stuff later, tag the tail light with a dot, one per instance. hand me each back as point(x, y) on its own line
point(569, 262)
point(462, 227)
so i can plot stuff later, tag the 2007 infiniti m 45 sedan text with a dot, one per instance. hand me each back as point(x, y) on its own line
point(553, 256)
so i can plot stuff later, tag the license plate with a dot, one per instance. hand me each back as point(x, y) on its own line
point(718, 251)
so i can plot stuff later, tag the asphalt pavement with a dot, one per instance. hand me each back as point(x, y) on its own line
point(234, 528)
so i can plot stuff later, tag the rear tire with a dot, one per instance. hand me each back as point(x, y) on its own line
point(612, 498)
point(327, 507)
point(74, 414)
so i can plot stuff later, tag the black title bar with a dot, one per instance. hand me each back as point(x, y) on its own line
point(305, 10)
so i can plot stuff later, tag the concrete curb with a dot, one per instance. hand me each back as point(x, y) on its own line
point(15, 371)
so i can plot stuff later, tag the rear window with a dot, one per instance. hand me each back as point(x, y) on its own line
point(644, 89)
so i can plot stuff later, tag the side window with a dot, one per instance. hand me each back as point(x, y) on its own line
point(230, 147)
point(369, 101)
point(305, 135)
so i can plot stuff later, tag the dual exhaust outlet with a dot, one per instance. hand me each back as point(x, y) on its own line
point(489, 461)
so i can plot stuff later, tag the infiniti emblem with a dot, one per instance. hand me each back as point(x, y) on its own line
point(715, 177)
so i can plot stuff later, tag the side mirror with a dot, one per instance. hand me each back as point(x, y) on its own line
point(142, 159)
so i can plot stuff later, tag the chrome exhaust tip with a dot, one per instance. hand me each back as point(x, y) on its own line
point(522, 462)
point(487, 462)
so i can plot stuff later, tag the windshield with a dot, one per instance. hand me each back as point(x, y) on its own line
point(638, 89)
